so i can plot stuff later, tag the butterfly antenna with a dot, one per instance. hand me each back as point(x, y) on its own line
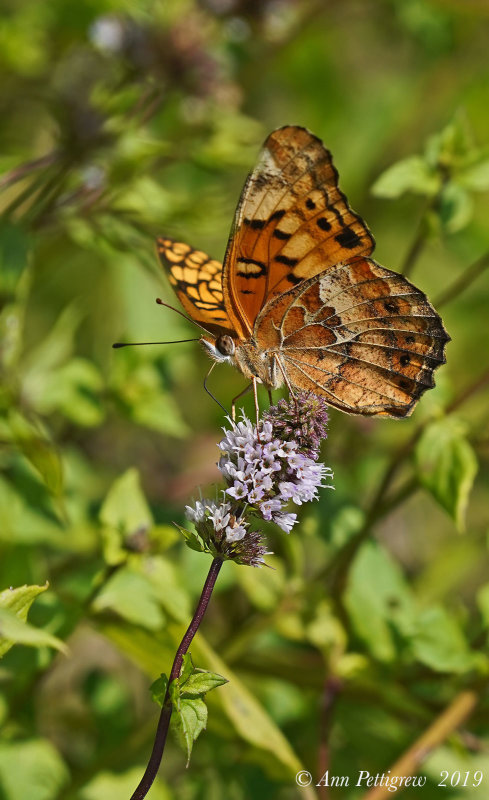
point(177, 311)
point(117, 345)
point(210, 393)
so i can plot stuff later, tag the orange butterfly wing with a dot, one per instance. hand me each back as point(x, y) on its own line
point(360, 335)
point(197, 281)
point(292, 222)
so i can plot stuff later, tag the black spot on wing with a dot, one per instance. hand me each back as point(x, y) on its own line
point(281, 234)
point(310, 204)
point(348, 238)
point(289, 262)
point(255, 224)
point(278, 214)
point(323, 223)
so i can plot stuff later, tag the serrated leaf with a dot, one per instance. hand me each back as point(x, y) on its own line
point(14, 607)
point(201, 682)
point(409, 175)
point(158, 689)
point(189, 721)
point(447, 466)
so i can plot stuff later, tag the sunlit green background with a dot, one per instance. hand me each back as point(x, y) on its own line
point(121, 120)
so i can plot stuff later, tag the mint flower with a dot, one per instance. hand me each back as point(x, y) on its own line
point(265, 469)
point(278, 466)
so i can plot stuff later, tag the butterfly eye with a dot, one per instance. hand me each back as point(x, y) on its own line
point(225, 345)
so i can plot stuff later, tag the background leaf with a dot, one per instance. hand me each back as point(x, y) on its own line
point(447, 466)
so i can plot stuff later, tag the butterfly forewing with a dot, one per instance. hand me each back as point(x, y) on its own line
point(292, 223)
point(358, 334)
point(197, 281)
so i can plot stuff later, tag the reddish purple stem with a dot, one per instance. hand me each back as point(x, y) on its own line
point(166, 711)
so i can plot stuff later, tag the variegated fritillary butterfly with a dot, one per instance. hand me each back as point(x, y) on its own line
point(298, 298)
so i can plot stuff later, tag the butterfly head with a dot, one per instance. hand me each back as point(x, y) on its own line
point(221, 349)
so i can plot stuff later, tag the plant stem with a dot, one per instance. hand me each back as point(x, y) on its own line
point(415, 249)
point(17, 173)
point(449, 720)
point(166, 710)
point(332, 687)
point(463, 281)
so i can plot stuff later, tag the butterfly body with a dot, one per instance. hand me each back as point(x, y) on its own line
point(299, 301)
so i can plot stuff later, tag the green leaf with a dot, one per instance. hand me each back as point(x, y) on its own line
point(130, 595)
point(411, 174)
point(447, 466)
point(31, 769)
point(191, 539)
point(455, 208)
point(453, 147)
point(249, 718)
point(378, 601)
point(439, 642)
point(115, 786)
point(124, 512)
point(158, 689)
point(483, 603)
point(168, 586)
point(39, 451)
point(186, 669)
point(14, 607)
point(476, 177)
point(201, 682)
point(189, 721)
point(125, 506)
point(74, 389)
point(14, 250)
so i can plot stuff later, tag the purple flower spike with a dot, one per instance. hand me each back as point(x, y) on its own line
point(265, 469)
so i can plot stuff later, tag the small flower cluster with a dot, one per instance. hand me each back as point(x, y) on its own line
point(266, 472)
point(265, 467)
point(224, 534)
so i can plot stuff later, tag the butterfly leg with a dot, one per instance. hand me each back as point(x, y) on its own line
point(257, 407)
point(288, 384)
point(233, 402)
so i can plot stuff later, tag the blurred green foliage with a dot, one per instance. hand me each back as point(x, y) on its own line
point(121, 121)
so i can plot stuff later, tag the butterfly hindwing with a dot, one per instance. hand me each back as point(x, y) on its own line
point(292, 222)
point(197, 281)
point(358, 334)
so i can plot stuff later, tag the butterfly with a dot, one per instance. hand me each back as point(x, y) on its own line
point(298, 299)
